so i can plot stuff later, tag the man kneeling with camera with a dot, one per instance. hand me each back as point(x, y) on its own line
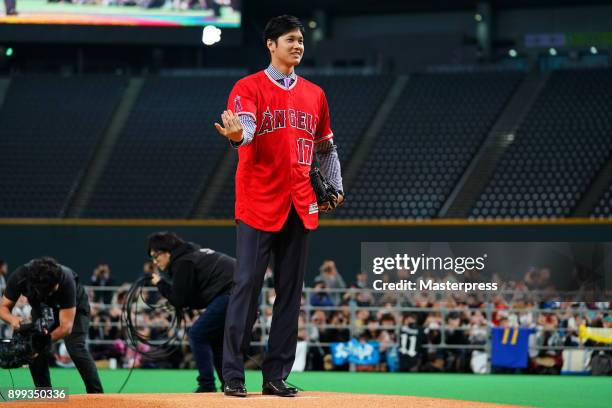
point(60, 310)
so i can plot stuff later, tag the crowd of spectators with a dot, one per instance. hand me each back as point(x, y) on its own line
point(424, 331)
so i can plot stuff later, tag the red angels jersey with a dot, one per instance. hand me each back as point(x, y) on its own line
point(273, 170)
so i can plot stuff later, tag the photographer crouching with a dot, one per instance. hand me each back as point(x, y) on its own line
point(60, 310)
point(197, 278)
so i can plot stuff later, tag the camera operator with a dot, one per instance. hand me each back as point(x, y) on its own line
point(200, 278)
point(51, 286)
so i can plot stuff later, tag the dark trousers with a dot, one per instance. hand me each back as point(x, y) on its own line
point(84, 362)
point(253, 249)
point(206, 340)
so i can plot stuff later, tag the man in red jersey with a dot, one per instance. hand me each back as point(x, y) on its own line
point(277, 121)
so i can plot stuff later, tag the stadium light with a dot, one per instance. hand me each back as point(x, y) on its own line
point(211, 35)
point(512, 52)
point(594, 50)
point(552, 52)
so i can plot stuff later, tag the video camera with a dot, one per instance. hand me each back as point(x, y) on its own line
point(30, 340)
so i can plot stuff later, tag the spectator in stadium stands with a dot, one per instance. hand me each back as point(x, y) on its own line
point(101, 278)
point(478, 335)
point(434, 357)
point(478, 332)
point(371, 328)
point(499, 304)
point(268, 281)
point(333, 280)
point(388, 309)
point(317, 353)
point(330, 334)
point(455, 334)
point(386, 337)
point(100, 329)
point(364, 298)
point(302, 330)
point(547, 361)
point(319, 296)
point(201, 279)
point(410, 344)
point(350, 297)
point(318, 320)
point(361, 281)
point(338, 329)
point(525, 318)
point(361, 318)
point(601, 361)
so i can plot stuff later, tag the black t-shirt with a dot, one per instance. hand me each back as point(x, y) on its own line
point(69, 294)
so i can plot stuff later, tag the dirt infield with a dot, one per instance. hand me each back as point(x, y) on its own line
point(218, 400)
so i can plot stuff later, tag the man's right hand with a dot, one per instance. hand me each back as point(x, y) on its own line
point(232, 128)
point(155, 278)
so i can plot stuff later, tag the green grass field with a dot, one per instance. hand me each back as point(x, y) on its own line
point(539, 391)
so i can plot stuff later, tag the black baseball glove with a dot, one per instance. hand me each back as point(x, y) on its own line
point(327, 195)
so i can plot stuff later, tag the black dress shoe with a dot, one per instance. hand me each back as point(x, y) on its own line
point(279, 388)
point(292, 388)
point(235, 388)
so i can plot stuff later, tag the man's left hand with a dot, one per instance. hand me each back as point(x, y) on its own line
point(338, 200)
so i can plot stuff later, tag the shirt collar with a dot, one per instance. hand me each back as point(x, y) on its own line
point(277, 75)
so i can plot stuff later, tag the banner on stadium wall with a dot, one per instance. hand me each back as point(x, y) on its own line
point(597, 334)
point(510, 346)
point(392, 359)
point(356, 352)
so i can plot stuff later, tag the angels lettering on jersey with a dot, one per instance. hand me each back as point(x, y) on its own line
point(278, 119)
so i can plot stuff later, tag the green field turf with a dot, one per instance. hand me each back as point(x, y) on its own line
point(539, 391)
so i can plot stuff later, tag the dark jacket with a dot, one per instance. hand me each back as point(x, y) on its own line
point(198, 276)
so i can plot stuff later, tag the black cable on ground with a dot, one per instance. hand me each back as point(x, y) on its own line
point(12, 383)
point(129, 374)
point(155, 349)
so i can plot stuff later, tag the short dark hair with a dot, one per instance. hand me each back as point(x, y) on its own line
point(281, 25)
point(43, 274)
point(163, 241)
